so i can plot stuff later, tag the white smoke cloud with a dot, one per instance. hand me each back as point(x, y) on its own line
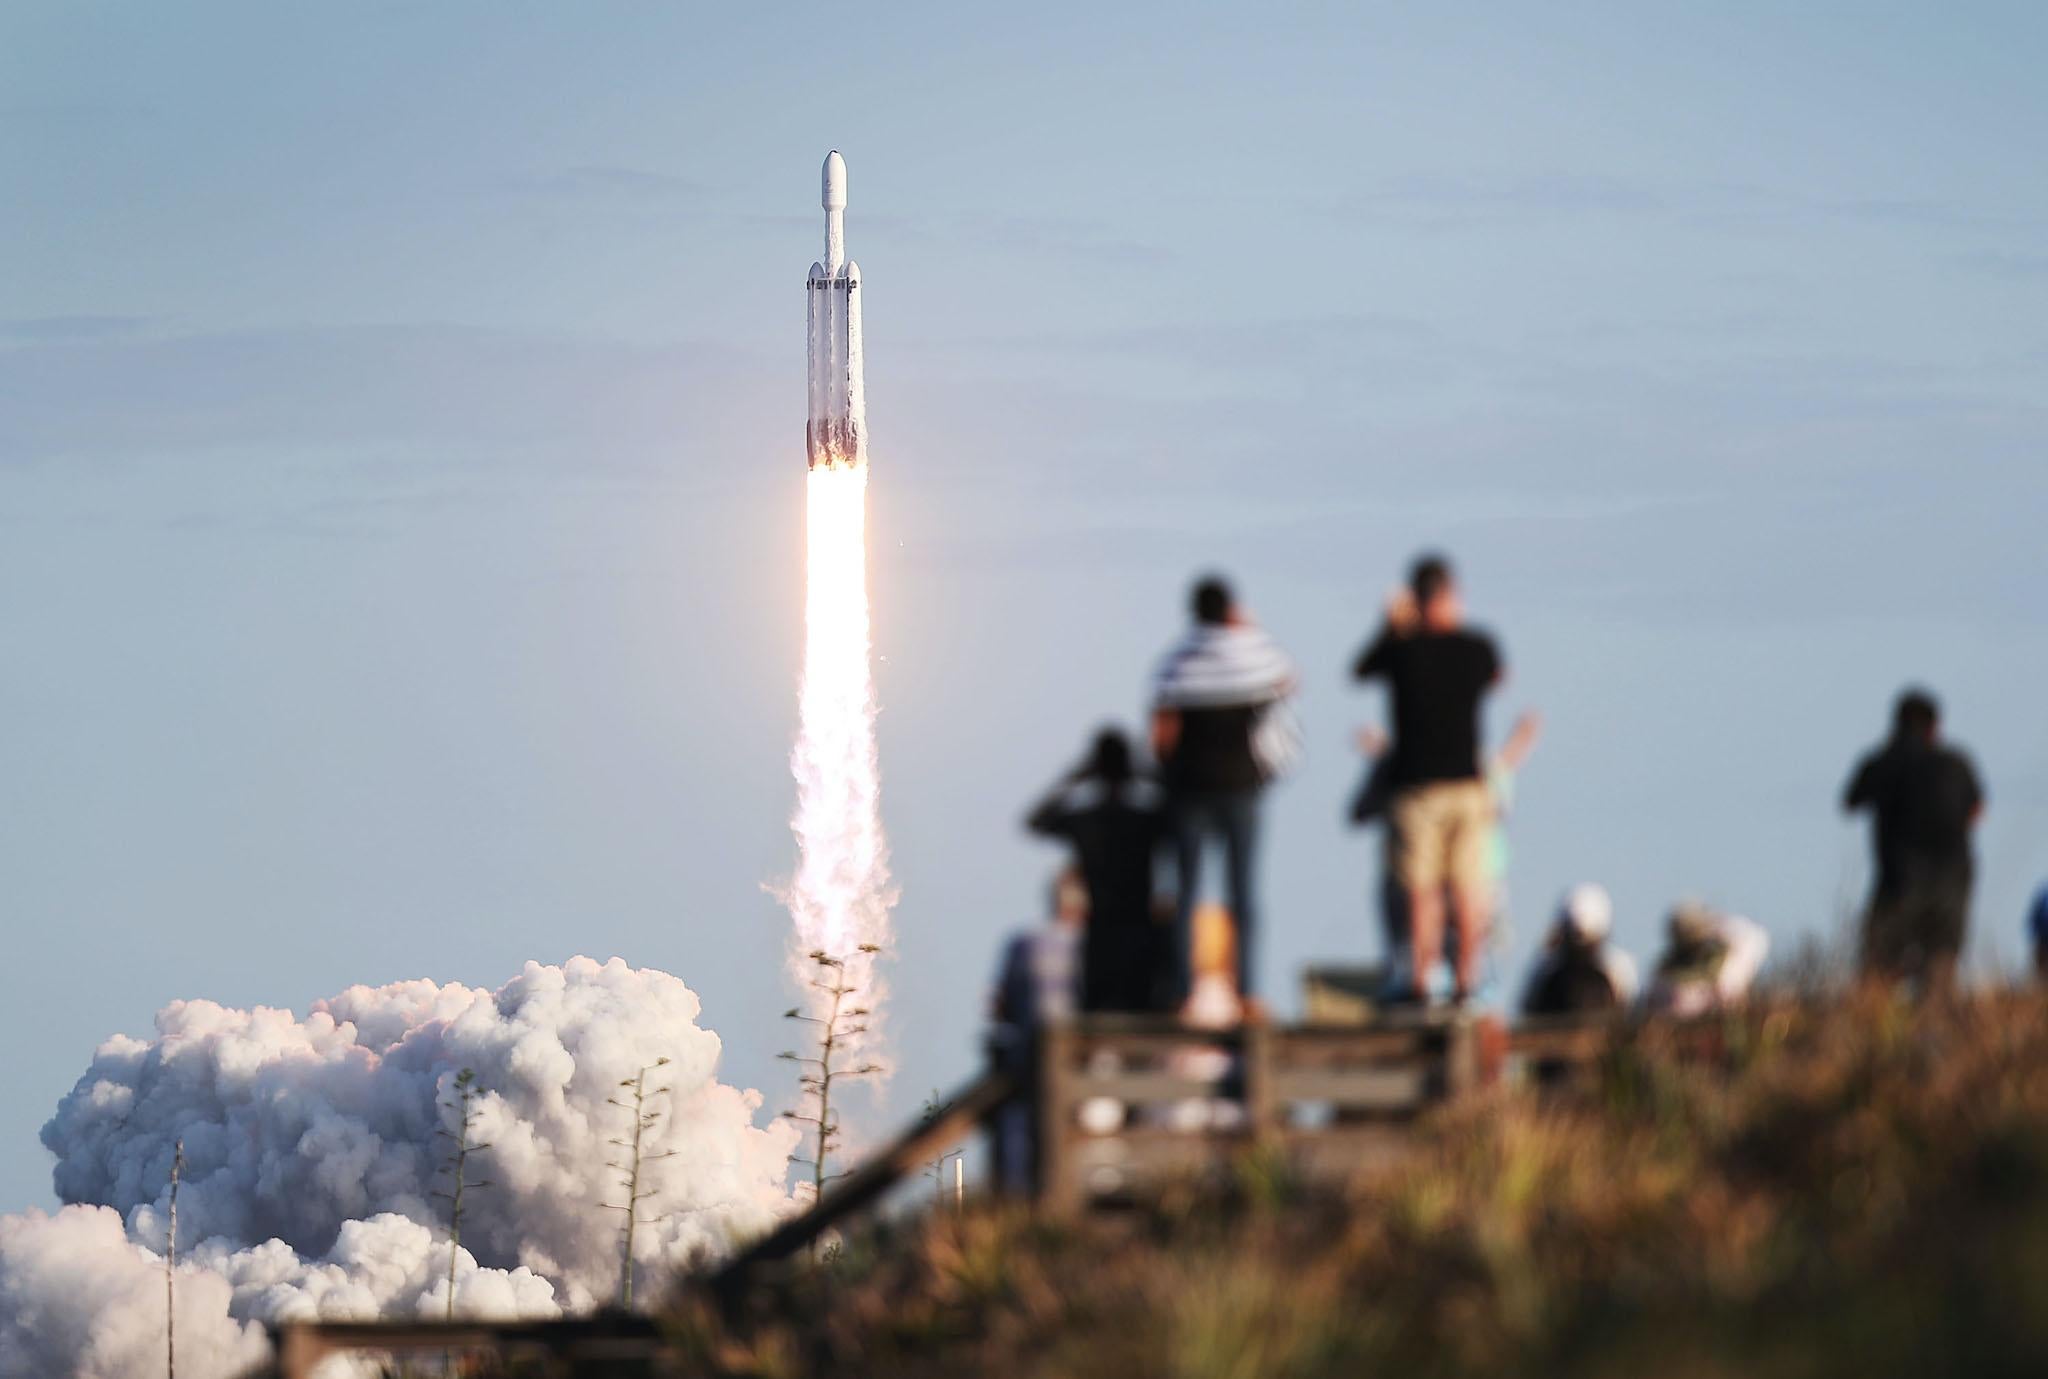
point(312, 1160)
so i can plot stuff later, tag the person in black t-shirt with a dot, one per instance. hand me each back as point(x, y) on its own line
point(1925, 798)
point(1114, 823)
point(1211, 698)
point(1438, 672)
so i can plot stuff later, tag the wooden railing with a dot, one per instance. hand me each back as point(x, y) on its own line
point(607, 1346)
point(1124, 1104)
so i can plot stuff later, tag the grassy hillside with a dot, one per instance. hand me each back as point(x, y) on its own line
point(1859, 1188)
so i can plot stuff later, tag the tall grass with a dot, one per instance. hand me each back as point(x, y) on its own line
point(1858, 1187)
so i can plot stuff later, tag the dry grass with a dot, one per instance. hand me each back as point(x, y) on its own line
point(1859, 1188)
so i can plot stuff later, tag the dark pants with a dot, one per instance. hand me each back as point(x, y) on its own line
point(1916, 923)
point(1233, 819)
point(1119, 964)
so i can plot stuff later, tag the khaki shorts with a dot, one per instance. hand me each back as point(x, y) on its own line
point(1440, 833)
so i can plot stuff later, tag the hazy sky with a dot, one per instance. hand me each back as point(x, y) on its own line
point(401, 414)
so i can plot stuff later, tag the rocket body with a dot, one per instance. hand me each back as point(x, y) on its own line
point(837, 436)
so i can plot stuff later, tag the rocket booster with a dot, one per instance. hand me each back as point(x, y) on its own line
point(837, 437)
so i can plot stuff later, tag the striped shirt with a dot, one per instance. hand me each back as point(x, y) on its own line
point(1218, 678)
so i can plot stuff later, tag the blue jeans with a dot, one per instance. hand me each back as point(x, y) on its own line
point(1232, 818)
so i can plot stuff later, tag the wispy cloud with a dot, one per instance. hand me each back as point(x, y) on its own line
point(1318, 342)
point(611, 182)
point(61, 329)
point(2013, 265)
point(1441, 201)
point(1063, 238)
point(41, 117)
point(457, 391)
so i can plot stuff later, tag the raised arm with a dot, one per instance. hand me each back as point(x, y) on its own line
point(1521, 741)
point(1052, 817)
point(1374, 658)
point(1861, 791)
point(1402, 617)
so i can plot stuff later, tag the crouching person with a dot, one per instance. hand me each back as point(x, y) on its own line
point(1710, 961)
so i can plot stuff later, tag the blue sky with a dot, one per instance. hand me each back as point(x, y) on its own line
point(400, 459)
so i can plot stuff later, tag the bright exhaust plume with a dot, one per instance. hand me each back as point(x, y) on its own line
point(841, 895)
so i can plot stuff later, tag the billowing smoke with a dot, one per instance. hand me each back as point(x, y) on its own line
point(78, 1296)
point(312, 1160)
point(840, 898)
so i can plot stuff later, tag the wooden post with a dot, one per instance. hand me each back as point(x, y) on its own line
point(1261, 1111)
point(1060, 1191)
point(1461, 1057)
point(300, 1350)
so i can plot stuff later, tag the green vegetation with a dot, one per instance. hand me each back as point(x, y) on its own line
point(1856, 1188)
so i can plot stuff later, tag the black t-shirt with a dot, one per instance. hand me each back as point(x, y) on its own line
point(1114, 838)
point(1213, 752)
point(1924, 796)
point(1438, 679)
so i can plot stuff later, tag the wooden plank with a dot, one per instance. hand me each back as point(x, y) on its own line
point(1086, 1044)
point(1579, 1040)
point(1133, 1161)
point(1260, 1106)
point(1309, 1043)
point(302, 1345)
point(1341, 1153)
point(1395, 1088)
point(1143, 1088)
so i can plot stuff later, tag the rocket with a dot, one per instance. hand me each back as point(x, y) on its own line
point(837, 437)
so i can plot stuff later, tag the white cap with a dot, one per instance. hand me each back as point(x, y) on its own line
point(1587, 911)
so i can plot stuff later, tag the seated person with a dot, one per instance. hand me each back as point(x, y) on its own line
point(1579, 971)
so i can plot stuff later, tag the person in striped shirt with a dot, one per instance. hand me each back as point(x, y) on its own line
point(1219, 716)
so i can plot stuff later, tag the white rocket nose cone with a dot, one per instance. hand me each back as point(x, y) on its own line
point(835, 182)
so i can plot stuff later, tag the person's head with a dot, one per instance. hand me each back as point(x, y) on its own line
point(1212, 602)
point(1585, 915)
point(1692, 930)
point(1109, 758)
point(1069, 897)
point(1916, 717)
point(1435, 590)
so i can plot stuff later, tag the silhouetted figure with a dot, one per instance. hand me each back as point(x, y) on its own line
point(1438, 672)
point(1579, 971)
point(1037, 984)
point(1925, 798)
point(2037, 930)
point(1115, 823)
point(1710, 960)
point(1220, 732)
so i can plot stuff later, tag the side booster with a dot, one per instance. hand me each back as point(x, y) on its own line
point(837, 437)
